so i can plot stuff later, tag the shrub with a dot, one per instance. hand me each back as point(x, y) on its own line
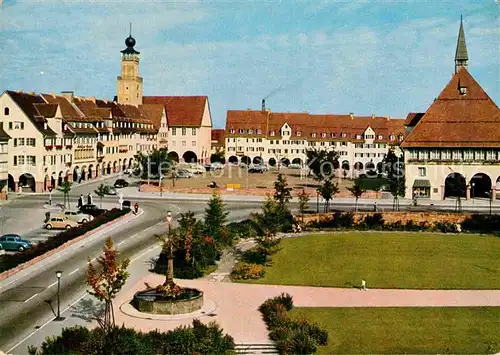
point(446, 227)
point(244, 271)
point(482, 223)
point(10, 261)
point(374, 221)
point(344, 220)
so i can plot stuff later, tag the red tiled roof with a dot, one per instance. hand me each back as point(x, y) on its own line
point(218, 136)
point(46, 110)
point(68, 111)
point(305, 124)
point(413, 118)
point(457, 120)
point(154, 113)
point(181, 110)
point(26, 103)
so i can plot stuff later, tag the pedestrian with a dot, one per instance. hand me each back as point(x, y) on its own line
point(89, 199)
point(363, 285)
point(136, 208)
point(80, 201)
point(375, 207)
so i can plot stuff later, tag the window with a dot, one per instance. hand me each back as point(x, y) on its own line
point(20, 160)
point(259, 131)
point(422, 171)
point(184, 131)
point(358, 136)
point(299, 133)
point(391, 137)
point(30, 159)
point(10, 125)
point(20, 142)
point(6, 111)
point(380, 136)
point(193, 131)
point(193, 143)
point(231, 130)
point(369, 136)
point(313, 135)
point(241, 131)
point(174, 131)
point(332, 135)
point(30, 142)
point(183, 143)
point(250, 131)
point(323, 135)
point(344, 135)
point(272, 133)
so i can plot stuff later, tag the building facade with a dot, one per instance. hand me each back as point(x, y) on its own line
point(4, 162)
point(284, 138)
point(453, 149)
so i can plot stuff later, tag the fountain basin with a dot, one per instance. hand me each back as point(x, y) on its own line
point(151, 301)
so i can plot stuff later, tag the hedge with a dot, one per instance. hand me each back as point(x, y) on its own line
point(345, 221)
point(9, 261)
point(291, 336)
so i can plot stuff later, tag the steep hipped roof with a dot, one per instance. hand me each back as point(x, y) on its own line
point(413, 118)
point(181, 110)
point(463, 115)
point(154, 113)
point(27, 103)
point(303, 124)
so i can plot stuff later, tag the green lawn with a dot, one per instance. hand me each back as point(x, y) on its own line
point(450, 330)
point(387, 260)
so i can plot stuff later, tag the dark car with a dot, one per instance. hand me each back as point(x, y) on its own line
point(257, 169)
point(92, 210)
point(120, 183)
point(13, 242)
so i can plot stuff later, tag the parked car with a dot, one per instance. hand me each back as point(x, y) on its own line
point(14, 242)
point(183, 174)
point(60, 222)
point(92, 210)
point(216, 165)
point(294, 166)
point(120, 183)
point(257, 168)
point(77, 216)
point(127, 171)
point(111, 190)
point(243, 166)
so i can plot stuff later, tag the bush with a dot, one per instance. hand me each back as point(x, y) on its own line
point(10, 261)
point(374, 221)
point(482, 223)
point(242, 229)
point(446, 227)
point(291, 336)
point(244, 271)
point(344, 220)
point(196, 339)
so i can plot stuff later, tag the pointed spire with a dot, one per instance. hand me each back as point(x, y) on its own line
point(130, 32)
point(461, 55)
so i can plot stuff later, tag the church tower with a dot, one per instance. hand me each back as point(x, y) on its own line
point(461, 56)
point(129, 82)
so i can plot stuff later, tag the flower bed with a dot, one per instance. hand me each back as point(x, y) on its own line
point(11, 261)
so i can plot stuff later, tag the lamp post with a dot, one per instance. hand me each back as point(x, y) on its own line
point(161, 186)
point(50, 195)
point(170, 269)
point(473, 184)
point(58, 275)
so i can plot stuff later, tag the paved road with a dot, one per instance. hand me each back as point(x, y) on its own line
point(26, 303)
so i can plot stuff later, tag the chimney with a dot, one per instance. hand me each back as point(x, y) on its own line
point(351, 115)
point(373, 115)
point(263, 105)
point(69, 95)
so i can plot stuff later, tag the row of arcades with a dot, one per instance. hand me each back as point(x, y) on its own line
point(27, 182)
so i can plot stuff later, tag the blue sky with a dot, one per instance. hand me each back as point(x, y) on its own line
point(383, 57)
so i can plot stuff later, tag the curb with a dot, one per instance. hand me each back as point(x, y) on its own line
point(6, 274)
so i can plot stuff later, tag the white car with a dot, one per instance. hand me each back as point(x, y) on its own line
point(216, 166)
point(294, 166)
point(77, 216)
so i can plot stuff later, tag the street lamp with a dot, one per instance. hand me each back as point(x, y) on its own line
point(473, 184)
point(161, 186)
point(58, 275)
point(169, 219)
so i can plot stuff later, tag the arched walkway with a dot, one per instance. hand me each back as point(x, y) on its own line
point(480, 185)
point(345, 165)
point(358, 166)
point(233, 159)
point(130, 162)
point(76, 172)
point(257, 160)
point(11, 184)
point(90, 172)
point(60, 178)
point(246, 160)
point(190, 157)
point(83, 173)
point(272, 162)
point(124, 166)
point(285, 161)
point(297, 161)
point(454, 185)
point(53, 180)
point(173, 156)
point(216, 158)
point(108, 168)
point(115, 166)
point(27, 181)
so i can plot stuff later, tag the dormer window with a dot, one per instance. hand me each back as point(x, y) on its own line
point(241, 131)
point(391, 137)
point(259, 131)
point(380, 136)
point(463, 90)
point(323, 135)
point(400, 137)
point(313, 135)
point(332, 135)
point(272, 133)
point(231, 130)
point(299, 133)
point(344, 135)
point(358, 136)
point(250, 131)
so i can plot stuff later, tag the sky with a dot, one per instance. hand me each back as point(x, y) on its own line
point(384, 57)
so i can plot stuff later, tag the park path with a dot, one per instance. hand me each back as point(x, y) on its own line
point(228, 260)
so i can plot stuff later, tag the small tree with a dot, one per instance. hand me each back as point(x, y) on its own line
point(215, 219)
point(65, 188)
point(303, 202)
point(106, 281)
point(101, 191)
point(282, 193)
point(393, 166)
point(327, 191)
point(357, 191)
point(322, 163)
